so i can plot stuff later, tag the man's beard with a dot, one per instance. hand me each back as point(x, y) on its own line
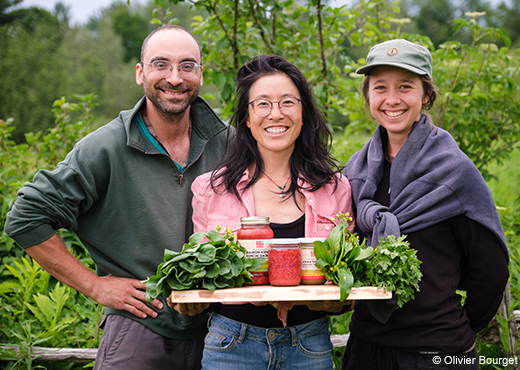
point(166, 108)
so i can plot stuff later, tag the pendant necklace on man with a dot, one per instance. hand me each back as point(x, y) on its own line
point(282, 193)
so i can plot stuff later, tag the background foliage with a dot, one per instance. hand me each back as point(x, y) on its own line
point(44, 59)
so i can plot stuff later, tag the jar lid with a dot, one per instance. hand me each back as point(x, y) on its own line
point(254, 220)
point(310, 240)
point(283, 241)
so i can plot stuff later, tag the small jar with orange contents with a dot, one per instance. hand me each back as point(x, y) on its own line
point(311, 275)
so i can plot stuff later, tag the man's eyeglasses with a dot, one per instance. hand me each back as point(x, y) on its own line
point(186, 69)
point(262, 107)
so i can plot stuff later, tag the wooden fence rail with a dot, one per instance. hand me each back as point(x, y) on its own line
point(44, 354)
point(84, 355)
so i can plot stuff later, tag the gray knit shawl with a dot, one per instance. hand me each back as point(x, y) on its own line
point(431, 180)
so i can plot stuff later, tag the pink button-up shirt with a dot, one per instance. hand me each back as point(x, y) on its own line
point(224, 209)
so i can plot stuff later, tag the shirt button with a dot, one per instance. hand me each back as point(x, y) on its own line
point(311, 201)
point(271, 335)
point(327, 227)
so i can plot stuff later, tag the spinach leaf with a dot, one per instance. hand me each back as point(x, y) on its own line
point(208, 261)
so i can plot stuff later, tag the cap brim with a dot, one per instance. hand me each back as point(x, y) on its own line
point(364, 70)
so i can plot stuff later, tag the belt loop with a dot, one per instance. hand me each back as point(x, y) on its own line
point(243, 330)
point(208, 324)
point(294, 336)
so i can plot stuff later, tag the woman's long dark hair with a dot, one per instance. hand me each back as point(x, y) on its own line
point(311, 159)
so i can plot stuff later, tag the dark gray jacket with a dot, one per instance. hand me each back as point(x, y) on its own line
point(125, 200)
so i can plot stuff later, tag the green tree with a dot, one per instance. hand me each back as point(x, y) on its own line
point(508, 18)
point(7, 16)
point(310, 35)
point(477, 80)
point(479, 91)
point(28, 60)
point(63, 12)
point(92, 62)
point(435, 19)
point(131, 27)
point(42, 59)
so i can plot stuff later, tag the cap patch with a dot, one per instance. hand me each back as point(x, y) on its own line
point(392, 51)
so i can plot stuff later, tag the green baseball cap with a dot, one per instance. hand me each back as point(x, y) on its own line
point(399, 53)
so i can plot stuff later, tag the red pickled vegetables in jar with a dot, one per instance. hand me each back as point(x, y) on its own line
point(284, 262)
point(254, 236)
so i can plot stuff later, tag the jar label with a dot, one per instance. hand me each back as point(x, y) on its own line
point(309, 269)
point(308, 259)
point(256, 248)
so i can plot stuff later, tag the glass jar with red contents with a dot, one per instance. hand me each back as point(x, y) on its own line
point(254, 236)
point(284, 262)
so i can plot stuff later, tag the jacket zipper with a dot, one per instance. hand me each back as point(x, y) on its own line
point(181, 175)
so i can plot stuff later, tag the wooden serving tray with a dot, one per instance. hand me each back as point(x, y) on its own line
point(268, 293)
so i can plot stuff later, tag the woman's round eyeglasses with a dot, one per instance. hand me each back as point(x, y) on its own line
point(262, 107)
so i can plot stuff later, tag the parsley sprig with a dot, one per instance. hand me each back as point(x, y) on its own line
point(395, 267)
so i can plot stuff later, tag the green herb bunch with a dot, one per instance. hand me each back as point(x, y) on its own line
point(342, 259)
point(395, 267)
point(218, 262)
point(392, 265)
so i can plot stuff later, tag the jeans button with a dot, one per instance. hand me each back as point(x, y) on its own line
point(271, 335)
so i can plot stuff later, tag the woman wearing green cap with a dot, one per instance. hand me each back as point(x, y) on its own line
point(411, 179)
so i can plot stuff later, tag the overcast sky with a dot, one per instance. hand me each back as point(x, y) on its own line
point(82, 10)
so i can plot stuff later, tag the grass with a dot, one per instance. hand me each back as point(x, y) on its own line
point(507, 182)
point(344, 145)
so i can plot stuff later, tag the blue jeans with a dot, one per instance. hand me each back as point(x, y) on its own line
point(233, 345)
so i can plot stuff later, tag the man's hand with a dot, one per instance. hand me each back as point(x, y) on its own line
point(110, 291)
point(125, 294)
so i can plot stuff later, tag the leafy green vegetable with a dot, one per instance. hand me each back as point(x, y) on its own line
point(219, 262)
point(395, 267)
point(342, 259)
point(391, 265)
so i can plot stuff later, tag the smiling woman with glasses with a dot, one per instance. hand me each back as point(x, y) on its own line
point(278, 165)
point(186, 69)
